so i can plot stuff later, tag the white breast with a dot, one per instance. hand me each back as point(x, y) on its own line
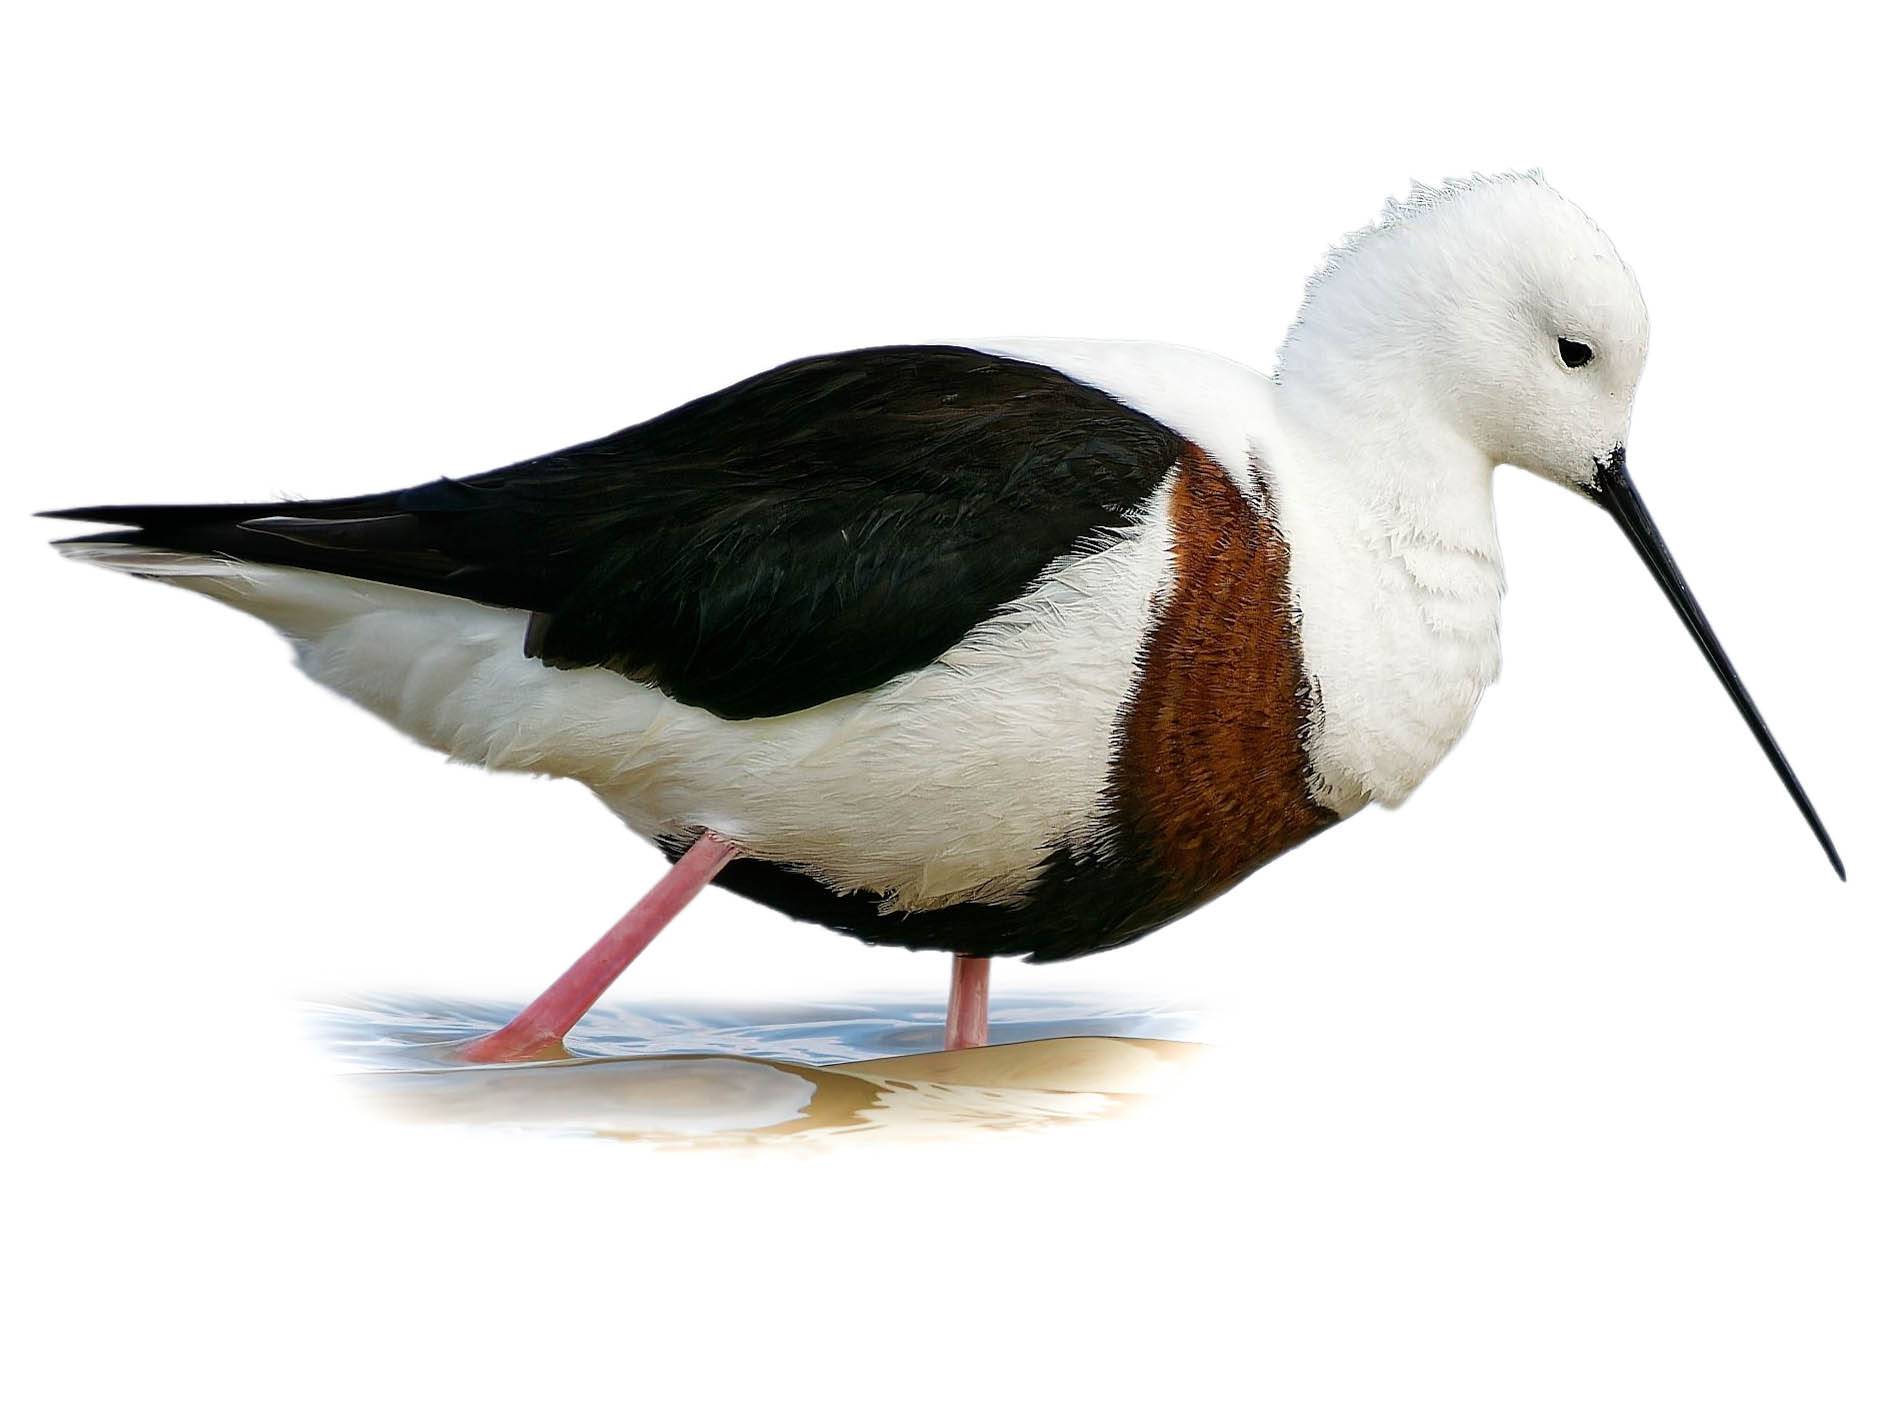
point(1400, 641)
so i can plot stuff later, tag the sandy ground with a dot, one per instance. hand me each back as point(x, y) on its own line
point(697, 1099)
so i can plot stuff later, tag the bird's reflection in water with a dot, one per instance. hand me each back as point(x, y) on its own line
point(724, 1074)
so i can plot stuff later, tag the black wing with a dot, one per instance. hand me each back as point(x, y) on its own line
point(805, 534)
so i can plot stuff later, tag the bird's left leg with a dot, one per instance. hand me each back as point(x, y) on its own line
point(967, 1017)
point(539, 1029)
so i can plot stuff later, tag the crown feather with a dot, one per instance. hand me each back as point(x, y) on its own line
point(1399, 212)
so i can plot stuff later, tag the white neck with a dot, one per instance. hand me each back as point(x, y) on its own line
point(1400, 585)
point(1368, 418)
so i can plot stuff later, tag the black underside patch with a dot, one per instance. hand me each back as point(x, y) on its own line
point(1077, 906)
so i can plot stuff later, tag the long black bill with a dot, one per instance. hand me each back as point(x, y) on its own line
point(1615, 491)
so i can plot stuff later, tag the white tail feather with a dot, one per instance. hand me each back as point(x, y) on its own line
point(148, 560)
point(303, 605)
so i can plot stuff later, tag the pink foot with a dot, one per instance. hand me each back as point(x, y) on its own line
point(967, 1020)
point(538, 1031)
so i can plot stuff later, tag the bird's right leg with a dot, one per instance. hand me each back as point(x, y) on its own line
point(539, 1029)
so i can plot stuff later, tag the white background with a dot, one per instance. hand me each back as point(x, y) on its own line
point(1562, 1089)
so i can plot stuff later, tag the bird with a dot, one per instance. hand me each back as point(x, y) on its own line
point(1003, 648)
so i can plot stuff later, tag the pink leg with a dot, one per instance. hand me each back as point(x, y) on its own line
point(538, 1031)
point(967, 1020)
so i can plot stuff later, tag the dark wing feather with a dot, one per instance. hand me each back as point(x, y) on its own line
point(805, 534)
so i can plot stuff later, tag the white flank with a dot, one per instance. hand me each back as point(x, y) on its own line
point(946, 784)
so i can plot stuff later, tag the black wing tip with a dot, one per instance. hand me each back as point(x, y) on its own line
point(122, 516)
point(134, 530)
point(152, 516)
point(130, 537)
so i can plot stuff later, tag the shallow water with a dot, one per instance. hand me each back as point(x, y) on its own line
point(695, 1074)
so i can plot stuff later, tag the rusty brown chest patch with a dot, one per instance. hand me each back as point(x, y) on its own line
point(1211, 779)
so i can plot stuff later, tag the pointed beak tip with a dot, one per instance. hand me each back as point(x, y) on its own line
point(1614, 490)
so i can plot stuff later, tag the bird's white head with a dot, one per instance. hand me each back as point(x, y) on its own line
point(1490, 321)
point(1493, 307)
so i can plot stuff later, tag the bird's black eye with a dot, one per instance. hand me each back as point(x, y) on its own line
point(1573, 353)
